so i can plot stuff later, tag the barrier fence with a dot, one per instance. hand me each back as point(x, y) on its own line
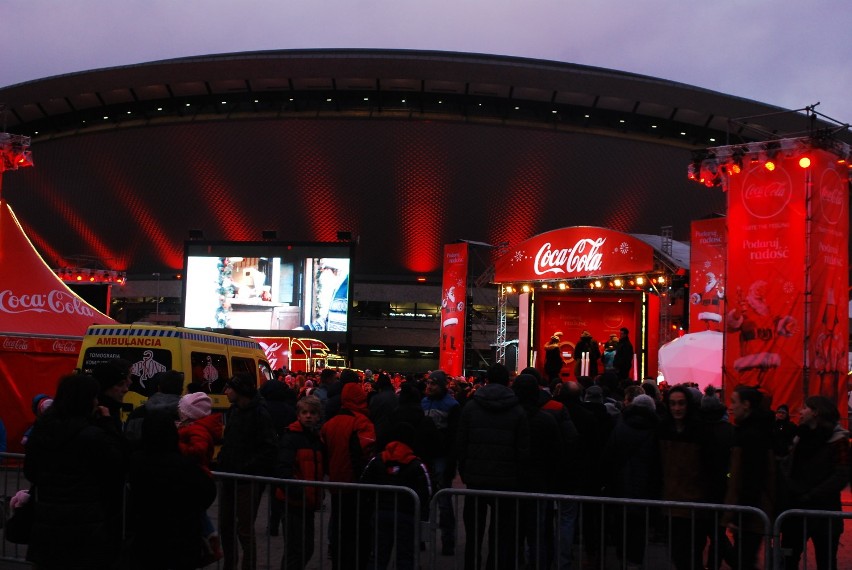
point(322, 525)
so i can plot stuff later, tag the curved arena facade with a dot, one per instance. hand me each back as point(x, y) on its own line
point(404, 150)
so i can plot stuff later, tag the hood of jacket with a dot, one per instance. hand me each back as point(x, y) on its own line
point(354, 398)
point(495, 397)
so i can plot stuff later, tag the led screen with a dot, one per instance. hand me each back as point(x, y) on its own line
point(267, 286)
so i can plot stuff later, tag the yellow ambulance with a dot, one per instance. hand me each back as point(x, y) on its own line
point(206, 359)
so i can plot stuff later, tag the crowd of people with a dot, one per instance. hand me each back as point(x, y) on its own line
point(529, 433)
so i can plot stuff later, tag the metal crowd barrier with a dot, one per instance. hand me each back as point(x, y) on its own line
point(12, 480)
point(797, 527)
point(518, 530)
point(542, 531)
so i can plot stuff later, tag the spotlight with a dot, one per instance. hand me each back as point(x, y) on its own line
point(770, 166)
point(618, 282)
point(805, 162)
point(525, 288)
point(640, 280)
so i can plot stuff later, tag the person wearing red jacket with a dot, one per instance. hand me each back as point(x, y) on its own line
point(199, 432)
point(395, 514)
point(301, 456)
point(350, 439)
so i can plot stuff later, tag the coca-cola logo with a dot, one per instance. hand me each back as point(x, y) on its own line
point(16, 344)
point(584, 257)
point(60, 302)
point(766, 193)
point(65, 346)
point(831, 196)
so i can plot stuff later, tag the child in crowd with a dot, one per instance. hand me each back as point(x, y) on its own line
point(301, 457)
point(397, 465)
point(199, 432)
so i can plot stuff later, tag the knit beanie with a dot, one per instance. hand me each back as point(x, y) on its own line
point(195, 406)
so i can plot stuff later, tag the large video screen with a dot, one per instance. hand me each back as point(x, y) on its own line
point(267, 286)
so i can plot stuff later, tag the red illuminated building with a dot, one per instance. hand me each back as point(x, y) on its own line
point(400, 151)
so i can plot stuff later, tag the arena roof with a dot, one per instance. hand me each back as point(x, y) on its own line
point(406, 150)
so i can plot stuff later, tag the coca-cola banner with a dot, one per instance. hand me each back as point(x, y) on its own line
point(33, 300)
point(707, 250)
point(827, 337)
point(453, 309)
point(576, 252)
point(34, 344)
point(766, 280)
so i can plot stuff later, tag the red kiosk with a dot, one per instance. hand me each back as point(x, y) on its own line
point(587, 279)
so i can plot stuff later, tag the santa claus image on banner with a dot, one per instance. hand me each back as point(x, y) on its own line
point(759, 329)
point(453, 310)
point(709, 300)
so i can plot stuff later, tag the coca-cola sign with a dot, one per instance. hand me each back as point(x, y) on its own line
point(68, 346)
point(16, 343)
point(766, 192)
point(571, 253)
point(832, 196)
point(55, 301)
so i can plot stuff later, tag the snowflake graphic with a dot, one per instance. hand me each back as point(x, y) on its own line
point(788, 287)
point(519, 256)
point(707, 264)
point(624, 248)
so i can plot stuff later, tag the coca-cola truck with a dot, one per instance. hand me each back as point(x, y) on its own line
point(299, 354)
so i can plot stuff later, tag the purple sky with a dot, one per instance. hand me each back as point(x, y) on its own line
point(783, 52)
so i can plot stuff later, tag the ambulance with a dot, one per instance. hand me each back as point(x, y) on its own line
point(206, 359)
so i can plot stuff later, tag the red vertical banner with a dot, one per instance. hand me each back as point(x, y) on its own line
point(828, 325)
point(766, 283)
point(453, 309)
point(707, 251)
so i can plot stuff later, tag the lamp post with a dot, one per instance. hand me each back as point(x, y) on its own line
point(157, 275)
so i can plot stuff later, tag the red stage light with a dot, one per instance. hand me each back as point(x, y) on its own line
point(804, 162)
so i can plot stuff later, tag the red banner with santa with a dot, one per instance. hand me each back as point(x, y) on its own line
point(453, 309)
point(828, 330)
point(766, 282)
point(707, 249)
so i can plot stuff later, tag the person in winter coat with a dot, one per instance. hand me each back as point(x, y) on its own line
point(687, 453)
point(350, 439)
point(632, 465)
point(493, 446)
point(752, 477)
point(395, 518)
point(169, 386)
point(623, 360)
point(249, 447)
point(301, 456)
point(547, 453)
point(199, 432)
point(441, 407)
point(588, 347)
point(74, 459)
point(818, 473)
point(168, 495)
point(553, 362)
point(280, 400)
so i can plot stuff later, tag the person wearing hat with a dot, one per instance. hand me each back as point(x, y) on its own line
point(553, 362)
point(249, 447)
point(783, 431)
point(41, 402)
point(444, 410)
point(586, 347)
